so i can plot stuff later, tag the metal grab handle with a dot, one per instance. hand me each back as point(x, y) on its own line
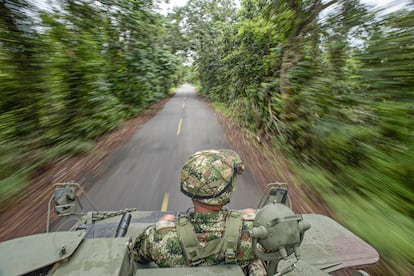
point(123, 225)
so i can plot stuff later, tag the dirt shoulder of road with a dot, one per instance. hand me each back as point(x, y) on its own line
point(267, 166)
point(27, 213)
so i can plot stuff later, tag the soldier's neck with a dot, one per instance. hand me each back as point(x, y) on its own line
point(205, 208)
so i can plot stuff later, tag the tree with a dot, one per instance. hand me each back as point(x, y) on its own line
point(70, 74)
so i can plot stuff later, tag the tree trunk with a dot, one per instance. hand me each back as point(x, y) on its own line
point(291, 57)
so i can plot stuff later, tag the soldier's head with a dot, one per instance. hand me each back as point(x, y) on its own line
point(209, 176)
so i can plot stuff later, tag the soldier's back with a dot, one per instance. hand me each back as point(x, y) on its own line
point(161, 242)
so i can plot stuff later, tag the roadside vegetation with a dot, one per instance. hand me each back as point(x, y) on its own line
point(70, 73)
point(330, 85)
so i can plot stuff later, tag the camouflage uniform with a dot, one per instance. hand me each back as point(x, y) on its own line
point(208, 177)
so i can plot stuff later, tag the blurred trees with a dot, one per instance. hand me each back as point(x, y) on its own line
point(71, 73)
point(330, 84)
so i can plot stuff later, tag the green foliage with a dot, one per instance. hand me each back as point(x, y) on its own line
point(69, 148)
point(333, 93)
point(71, 74)
point(386, 228)
point(12, 184)
point(222, 108)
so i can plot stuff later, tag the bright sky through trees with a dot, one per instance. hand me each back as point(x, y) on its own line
point(293, 75)
point(391, 4)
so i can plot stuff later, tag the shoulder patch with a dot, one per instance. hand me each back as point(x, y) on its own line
point(248, 214)
point(166, 222)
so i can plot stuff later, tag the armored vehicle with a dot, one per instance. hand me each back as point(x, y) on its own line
point(101, 242)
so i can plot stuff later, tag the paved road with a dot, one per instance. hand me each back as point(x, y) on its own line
point(145, 172)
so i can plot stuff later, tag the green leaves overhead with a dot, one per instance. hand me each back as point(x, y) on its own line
point(73, 71)
point(330, 84)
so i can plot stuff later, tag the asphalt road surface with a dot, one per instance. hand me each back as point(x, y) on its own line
point(145, 172)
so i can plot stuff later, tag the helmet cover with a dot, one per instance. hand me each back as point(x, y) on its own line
point(209, 176)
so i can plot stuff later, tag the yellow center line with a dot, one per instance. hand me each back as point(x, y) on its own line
point(179, 126)
point(164, 205)
point(183, 105)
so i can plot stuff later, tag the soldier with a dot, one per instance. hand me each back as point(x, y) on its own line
point(210, 235)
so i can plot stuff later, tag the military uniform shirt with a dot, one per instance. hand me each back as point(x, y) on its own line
point(160, 242)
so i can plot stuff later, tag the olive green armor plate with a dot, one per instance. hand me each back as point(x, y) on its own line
point(29, 253)
point(327, 246)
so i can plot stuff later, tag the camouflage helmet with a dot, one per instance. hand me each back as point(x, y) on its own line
point(209, 176)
